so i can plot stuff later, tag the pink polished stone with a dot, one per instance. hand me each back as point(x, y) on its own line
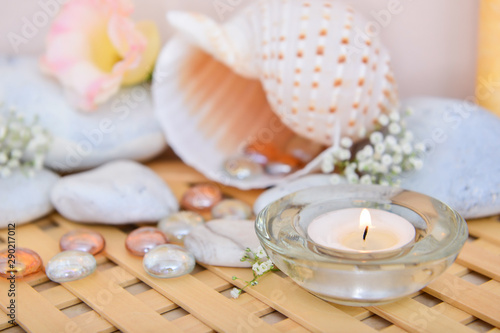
point(24, 262)
point(142, 240)
point(201, 197)
point(84, 240)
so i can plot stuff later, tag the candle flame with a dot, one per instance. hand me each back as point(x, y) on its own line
point(365, 219)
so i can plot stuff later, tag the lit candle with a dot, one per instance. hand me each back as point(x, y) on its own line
point(361, 230)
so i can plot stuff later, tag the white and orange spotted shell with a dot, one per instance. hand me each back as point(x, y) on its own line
point(277, 68)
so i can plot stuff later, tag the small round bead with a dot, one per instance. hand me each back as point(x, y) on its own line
point(70, 266)
point(82, 240)
point(201, 197)
point(178, 225)
point(142, 240)
point(232, 209)
point(20, 262)
point(168, 261)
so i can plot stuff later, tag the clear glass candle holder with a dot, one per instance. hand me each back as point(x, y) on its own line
point(363, 280)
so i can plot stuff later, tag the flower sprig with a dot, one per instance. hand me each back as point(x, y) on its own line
point(380, 158)
point(23, 145)
point(261, 265)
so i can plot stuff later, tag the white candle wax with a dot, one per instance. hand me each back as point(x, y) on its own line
point(343, 230)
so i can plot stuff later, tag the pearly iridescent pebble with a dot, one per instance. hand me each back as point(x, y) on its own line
point(82, 240)
point(242, 168)
point(178, 225)
point(142, 240)
point(168, 261)
point(25, 262)
point(232, 209)
point(70, 266)
point(201, 197)
point(303, 149)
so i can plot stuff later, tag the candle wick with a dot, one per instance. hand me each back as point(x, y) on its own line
point(365, 233)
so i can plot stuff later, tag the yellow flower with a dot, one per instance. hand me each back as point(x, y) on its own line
point(93, 48)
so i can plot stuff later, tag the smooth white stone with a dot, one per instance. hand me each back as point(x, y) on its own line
point(168, 261)
point(122, 128)
point(283, 189)
point(463, 167)
point(115, 193)
point(70, 266)
point(24, 199)
point(222, 242)
point(178, 225)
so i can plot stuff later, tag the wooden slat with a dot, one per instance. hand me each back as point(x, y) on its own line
point(487, 229)
point(416, 317)
point(480, 260)
point(206, 304)
point(295, 303)
point(466, 296)
point(33, 312)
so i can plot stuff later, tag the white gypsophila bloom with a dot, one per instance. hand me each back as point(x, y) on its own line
point(376, 137)
point(327, 165)
point(344, 155)
point(394, 128)
point(346, 142)
point(407, 148)
point(38, 161)
point(396, 169)
point(408, 136)
point(260, 253)
point(335, 179)
point(16, 154)
point(368, 151)
point(5, 172)
point(365, 179)
point(416, 163)
point(383, 120)
point(381, 168)
point(266, 266)
point(360, 155)
point(352, 178)
point(420, 147)
point(3, 130)
point(391, 141)
point(394, 116)
point(396, 149)
point(3, 158)
point(386, 159)
point(379, 148)
point(256, 268)
point(409, 111)
point(13, 163)
point(384, 182)
point(397, 158)
point(235, 293)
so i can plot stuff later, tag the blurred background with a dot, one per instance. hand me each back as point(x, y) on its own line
point(432, 43)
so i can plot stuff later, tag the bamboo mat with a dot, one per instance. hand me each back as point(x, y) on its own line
point(120, 296)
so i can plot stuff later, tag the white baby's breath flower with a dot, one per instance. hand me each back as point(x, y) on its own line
point(260, 253)
point(256, 268)
point(390, 141)
point(13, 164)
point(5, 172)
point(365, 179)
point(394, 129)
point(383, 120)
point(386, 159)
point(344, 155)
point(327, 165)
point(235, 293)
point(380, 148)
point(335, 179)
point(368, 151)
point(346, 142)
point(416, 163)
point(394, 116)
point(266, 265)
point(16, 153)
point(396, 169)
point(352, 178)
point(408, 136)
point(397, 158)
point(407, 148)
point(376, 137)
point(3, 130)
point(3, 157)
point(420, 147)
point(384, 182)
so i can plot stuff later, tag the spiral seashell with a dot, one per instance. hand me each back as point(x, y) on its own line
point(308, 65)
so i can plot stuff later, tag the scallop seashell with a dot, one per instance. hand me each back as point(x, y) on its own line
point(277, 69)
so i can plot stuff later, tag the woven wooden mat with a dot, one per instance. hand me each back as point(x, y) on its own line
point(120, 296)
